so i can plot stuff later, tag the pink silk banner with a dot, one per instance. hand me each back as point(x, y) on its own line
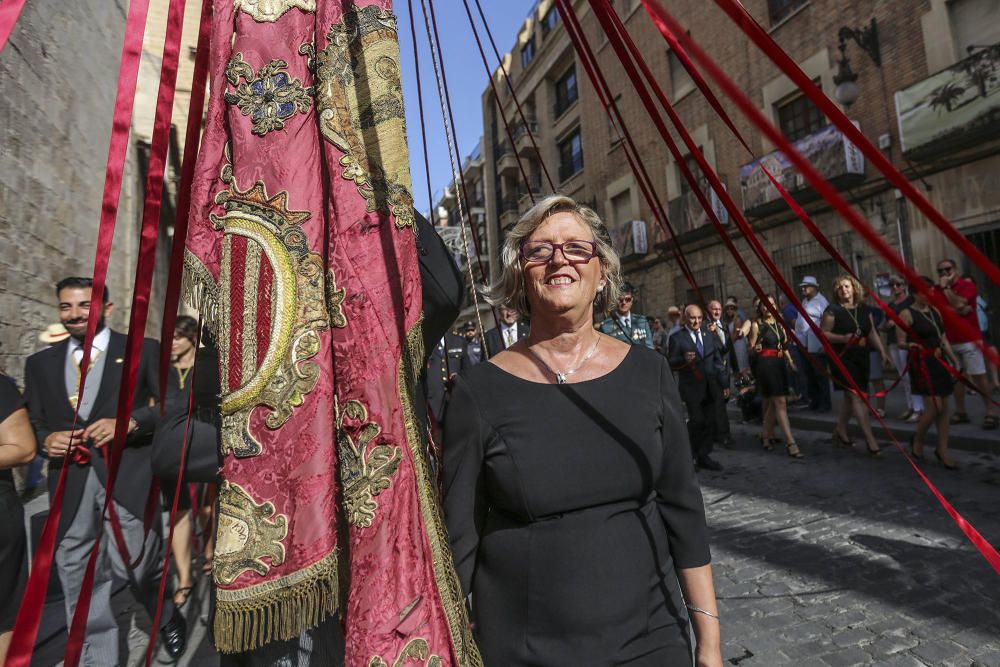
point(301, 255)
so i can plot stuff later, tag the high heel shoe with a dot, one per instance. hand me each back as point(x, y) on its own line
point(766, 443)
point(913, 450)
point(841, 441)
point(874, 453)
point(793, 450)
point(949, 466)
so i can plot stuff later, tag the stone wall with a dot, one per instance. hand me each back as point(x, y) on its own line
point(58, 75)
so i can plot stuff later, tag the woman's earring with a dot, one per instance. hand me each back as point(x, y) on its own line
point(600, 288)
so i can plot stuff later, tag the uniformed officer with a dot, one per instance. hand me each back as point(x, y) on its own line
point(473, 346)
point(444, 363)
point(625, 325)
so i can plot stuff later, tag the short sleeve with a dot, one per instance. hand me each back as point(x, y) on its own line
point(464, 443)
point(678, 493)
point(10, 398)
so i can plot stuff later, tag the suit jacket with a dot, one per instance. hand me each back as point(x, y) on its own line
point(445, 361)
point(725, 347)
point(706, 376)
point(50, 411)
point(494, 341)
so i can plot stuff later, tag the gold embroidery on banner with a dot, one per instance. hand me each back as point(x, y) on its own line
point(280, 380)
point(200, 290)
point(225, 281)
point(335, 302)
point(359, 97)
point(415, 649)
point(364, 473)
point(269, 96)
point(248, 533)
point(268, 11)
point(452, 598)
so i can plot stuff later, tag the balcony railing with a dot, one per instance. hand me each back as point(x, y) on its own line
point(534, 182)
point(500, 149)
point(953, 109)
point(507, 203)
point(521, 129)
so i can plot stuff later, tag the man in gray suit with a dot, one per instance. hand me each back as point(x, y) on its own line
point(52, 379)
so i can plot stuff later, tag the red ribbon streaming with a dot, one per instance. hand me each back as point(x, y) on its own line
point(660, 17)
point(9, 13)
point(140, 302)
point(742, 18)
point(192, 141)
point(30, 612)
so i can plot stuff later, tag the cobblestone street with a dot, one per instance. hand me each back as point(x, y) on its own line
point(832, 560)
point(838, 559)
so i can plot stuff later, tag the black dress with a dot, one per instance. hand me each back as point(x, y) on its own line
point(928, 376)
point(569, 508)
point(13, 544)
point(772, 379)
point(855, 321)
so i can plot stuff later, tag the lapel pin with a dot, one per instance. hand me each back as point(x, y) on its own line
point(119, 360)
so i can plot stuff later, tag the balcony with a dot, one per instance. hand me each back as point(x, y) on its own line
point(686, 214)
point(629, 239)
point(522, 132)
point(534, 182)
point(837, 160)
point(505, 158)
point(956, 108)
point(507, 209)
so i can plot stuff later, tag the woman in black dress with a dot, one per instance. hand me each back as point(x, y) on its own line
point(849, 327)
point(570, 496)
point(17, 446)
point(928, 376)
point(769, 343)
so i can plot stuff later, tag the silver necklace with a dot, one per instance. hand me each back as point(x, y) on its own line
point(561, 377)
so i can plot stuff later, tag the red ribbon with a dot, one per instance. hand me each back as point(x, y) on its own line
point(602, 10)
point(769, 352)
point(30, 613)
point(9, 13)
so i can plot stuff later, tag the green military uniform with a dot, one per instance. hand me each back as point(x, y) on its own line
point(636, 332)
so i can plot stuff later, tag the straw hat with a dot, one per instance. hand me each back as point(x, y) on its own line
point(54, 333)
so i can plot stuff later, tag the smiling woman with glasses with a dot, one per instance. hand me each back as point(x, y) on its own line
point(566, 457)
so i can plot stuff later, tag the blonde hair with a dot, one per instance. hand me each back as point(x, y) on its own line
point(859, 291)
point(509, 289)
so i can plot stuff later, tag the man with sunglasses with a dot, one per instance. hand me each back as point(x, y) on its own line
point(961, 293)
point(625, 325)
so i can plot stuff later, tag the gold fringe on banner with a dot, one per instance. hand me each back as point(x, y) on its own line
point(200, 290)
point(248, 618)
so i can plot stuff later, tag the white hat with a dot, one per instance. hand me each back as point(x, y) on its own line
point(54, 333)
point(809, 280)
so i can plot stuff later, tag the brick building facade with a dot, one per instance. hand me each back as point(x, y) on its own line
point(945, 146)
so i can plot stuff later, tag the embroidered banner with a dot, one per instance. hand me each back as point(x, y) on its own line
point(301, 255)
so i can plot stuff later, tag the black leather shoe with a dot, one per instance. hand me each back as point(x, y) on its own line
point(174, 635)
point(709, 464)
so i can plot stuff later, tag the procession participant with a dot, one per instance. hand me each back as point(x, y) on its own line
point(961, 293)
point(703, 382)
point(443, 365)
point(510, 330)
point(17, 447)
point(571, 399)
point(770, 344)
point(901, 300)
point(472, 352)
point(818, 385)
point(52, 379)
point(929, 378)
point(625, 325)
point(715, 326)
point(849, 327)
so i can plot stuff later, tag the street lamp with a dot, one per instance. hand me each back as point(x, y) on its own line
point(846, 80)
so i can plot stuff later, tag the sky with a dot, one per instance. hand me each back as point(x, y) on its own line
point(466, 80)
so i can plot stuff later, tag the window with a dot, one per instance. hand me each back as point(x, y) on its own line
point(566, 91)
point(570, 155)
point(614, 136)
point(680, 81)
point(692, 164)
point(527, 52)
point(549, 21)
point(781, 9)
point(974, 23)
point(621, 208)
point(798, 117)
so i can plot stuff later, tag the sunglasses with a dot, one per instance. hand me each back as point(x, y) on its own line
point(625, 299)
point(945, 270)
point(895, 284)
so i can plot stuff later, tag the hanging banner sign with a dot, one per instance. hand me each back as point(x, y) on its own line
point(953, 108)
point(836, 158)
